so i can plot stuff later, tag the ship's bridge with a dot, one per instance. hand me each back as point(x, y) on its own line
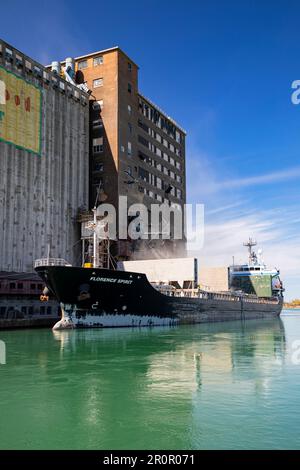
point(249, 270)
point(254, 277)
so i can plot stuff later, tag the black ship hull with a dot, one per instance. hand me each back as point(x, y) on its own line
point(93, 297)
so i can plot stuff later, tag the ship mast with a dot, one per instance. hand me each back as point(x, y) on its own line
point(95, 241)
point(250, 244)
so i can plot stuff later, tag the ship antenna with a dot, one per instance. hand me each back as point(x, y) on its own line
point(250, 244)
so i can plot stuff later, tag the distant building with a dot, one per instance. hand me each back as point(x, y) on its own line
point(44, 162)
point(19, 298)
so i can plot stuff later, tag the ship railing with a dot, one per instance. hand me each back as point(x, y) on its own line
point(229, 296)
point(271, 300)
point(196, 293)
point(51, 262)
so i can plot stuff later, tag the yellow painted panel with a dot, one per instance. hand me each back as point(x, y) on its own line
point(20, 112)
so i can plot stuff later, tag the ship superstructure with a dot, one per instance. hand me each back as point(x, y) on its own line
point(255, 277)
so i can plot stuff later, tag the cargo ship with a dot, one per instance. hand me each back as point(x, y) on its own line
point(101, 297)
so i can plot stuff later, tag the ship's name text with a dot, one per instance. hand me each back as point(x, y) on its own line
point(109, 279)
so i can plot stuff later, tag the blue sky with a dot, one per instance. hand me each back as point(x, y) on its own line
point(223, 70)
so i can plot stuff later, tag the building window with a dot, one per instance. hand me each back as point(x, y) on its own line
point(98, 145)
point(166, 158)
point(97, 82)
point(32, 286)
point(143, 141)
point(172, 161)
point(158, 166)
point(166, 171)
point(165, 142)
point(129, 149)
point(177, 136)
point(98, 167)
point(82, 64)
point(12, 285)
point(129, 170)
point(144, 175)
point(129, 66)
point(98, 60)
point(172, 147)
point(20, 285)
point(172, 175)
point(129, 88)
point(178, 178)
point(178, 165)
point(129, 109)
point(143, 126)
point(158, 137)
point(158, 182)
point(158, 197)
point(158, 152)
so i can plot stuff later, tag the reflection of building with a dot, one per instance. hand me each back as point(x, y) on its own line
point(136, 149)
point(43, 162)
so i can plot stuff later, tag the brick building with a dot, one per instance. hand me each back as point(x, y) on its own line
point(135, 148)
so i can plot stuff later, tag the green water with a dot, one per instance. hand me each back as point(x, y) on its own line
point(220, 386)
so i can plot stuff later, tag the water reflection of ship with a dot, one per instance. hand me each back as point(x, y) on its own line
point(220, 351)
point(177, 362)
point(179, 370)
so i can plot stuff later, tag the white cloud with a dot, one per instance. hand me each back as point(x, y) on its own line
point(273, 177)
point(224, 239)
point(206, 180)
